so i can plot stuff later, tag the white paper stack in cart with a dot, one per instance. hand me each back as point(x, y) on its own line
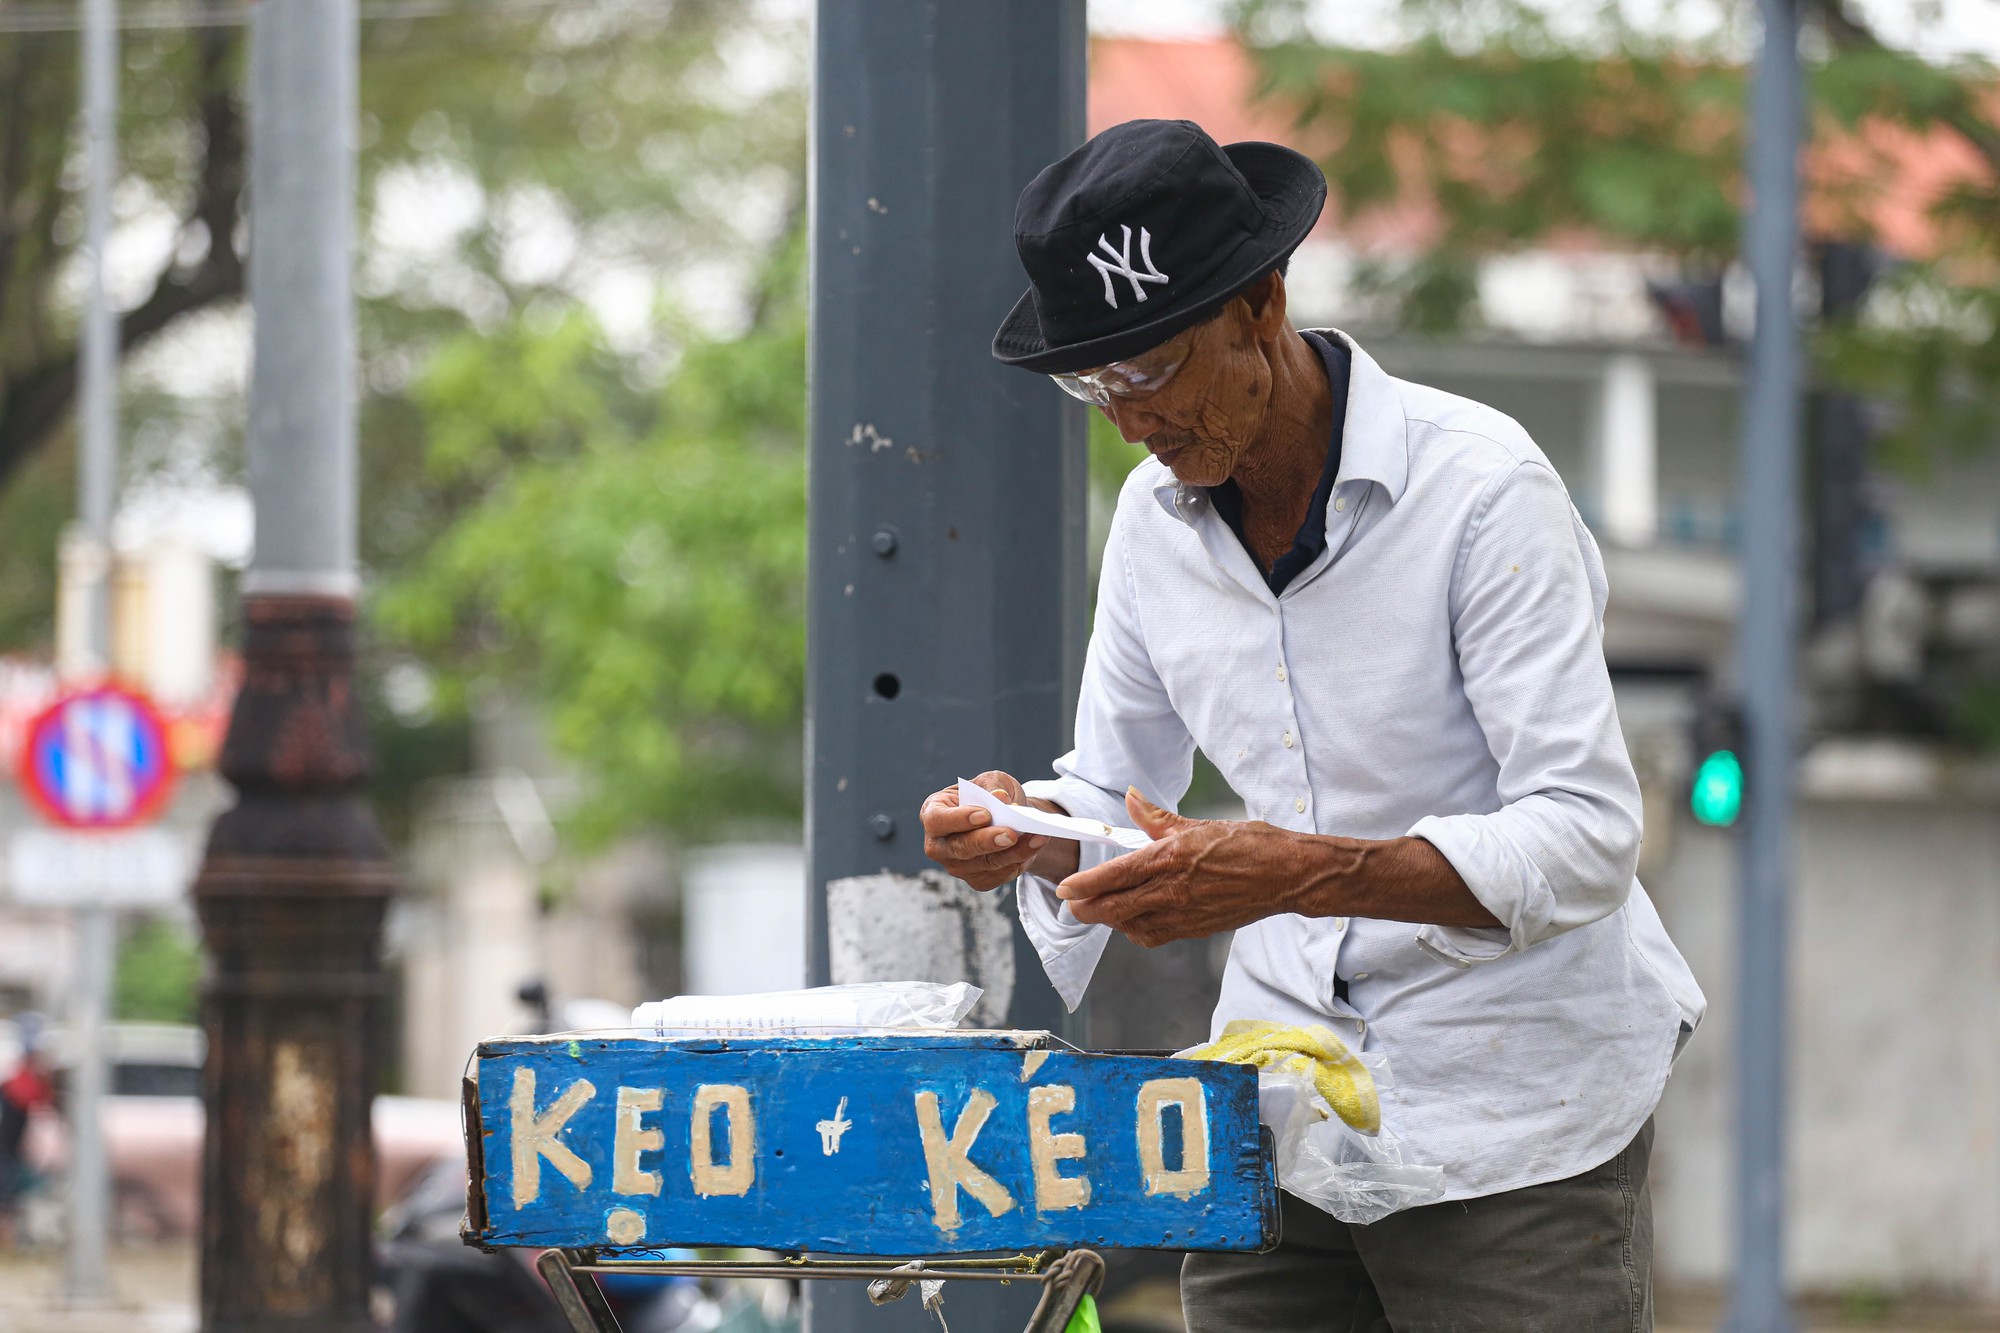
point(909, 1006)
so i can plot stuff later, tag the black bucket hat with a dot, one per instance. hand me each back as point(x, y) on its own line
point(1146, 230)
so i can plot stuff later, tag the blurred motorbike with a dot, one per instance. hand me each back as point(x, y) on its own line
point(434, 1283)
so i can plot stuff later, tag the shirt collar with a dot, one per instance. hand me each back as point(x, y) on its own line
point(1374, 446)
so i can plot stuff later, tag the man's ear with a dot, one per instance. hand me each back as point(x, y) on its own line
point(1266, 301)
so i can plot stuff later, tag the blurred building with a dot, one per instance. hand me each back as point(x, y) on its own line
point(1627, 373)
point(499, 931)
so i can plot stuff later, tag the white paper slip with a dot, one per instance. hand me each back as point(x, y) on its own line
point(1027, 819)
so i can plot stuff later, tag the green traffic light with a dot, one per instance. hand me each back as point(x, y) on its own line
point(1717, 797)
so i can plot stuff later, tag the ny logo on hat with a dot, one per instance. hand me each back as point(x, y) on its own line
point(1120, 262)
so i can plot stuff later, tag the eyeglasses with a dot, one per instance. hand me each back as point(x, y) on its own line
point(1140, 377)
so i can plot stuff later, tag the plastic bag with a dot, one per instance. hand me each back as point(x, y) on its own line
point(908, 1006)
point(1356, 1175)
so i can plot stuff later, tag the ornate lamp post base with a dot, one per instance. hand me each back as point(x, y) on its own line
point(291, 894)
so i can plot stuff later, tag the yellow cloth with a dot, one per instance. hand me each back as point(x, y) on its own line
point(1309, 1050)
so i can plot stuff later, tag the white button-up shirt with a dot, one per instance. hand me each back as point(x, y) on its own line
point(1438, 671)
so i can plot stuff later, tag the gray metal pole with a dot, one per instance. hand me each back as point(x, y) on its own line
point(1767, 627)
point(86, 1279)
point(303, 477)
point(946, 584)
point(97, 397)
point(296, 877)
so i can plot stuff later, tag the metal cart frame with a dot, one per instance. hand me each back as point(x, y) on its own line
point(1066, 1276)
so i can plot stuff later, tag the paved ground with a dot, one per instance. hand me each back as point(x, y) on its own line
point(155, 1294)
point(156, 1289)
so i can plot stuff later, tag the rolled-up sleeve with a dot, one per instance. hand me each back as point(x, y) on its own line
point(1127, 735)
point(1527, 612)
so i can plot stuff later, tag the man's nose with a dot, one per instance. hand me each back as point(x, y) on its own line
point(1135, 425)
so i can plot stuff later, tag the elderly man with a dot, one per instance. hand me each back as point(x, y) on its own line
point(1372, 606)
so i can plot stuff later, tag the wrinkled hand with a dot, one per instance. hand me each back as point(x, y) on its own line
point(961, 838)
point(1202, 877)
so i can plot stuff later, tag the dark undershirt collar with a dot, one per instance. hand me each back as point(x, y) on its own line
point(1311, 538)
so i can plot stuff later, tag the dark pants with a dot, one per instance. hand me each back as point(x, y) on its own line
point(1571, 1256)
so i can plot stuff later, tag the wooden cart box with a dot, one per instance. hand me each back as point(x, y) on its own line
point(875, 1145)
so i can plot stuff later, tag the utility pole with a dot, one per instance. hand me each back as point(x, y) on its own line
point(1766, 631)
point(86, 1280)
point(296, 876)
point(946, 615)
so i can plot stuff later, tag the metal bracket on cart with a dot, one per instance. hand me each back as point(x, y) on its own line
point(1066, 1276)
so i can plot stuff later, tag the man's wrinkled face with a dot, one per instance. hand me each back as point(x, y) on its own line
point(1201, 421)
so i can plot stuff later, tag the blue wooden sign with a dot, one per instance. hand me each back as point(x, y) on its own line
point(863, 1145)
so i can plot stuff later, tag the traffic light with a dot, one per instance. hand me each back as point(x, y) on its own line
point(1715, 796)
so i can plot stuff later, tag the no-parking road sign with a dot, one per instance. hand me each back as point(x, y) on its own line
point(97, 759)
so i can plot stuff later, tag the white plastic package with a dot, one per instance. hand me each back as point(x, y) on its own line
point(906, 1006)
point(1335, 1167)
point(1355, 1175)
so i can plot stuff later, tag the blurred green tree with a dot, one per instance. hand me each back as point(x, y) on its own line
point(1522, 124)
point(512, 156)
point(635, 564)
point(159, 973)
point(518, 160)
point(602, 517)
point(181, 146)
point(605, 524)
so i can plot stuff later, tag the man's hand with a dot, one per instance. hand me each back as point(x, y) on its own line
point(962, 840)
point(1205, 876)
point(1202, 877)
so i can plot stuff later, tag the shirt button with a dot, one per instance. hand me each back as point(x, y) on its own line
point(1281, 673)
point(1300, 805)
point(1288, 740)
point(1361, 976)
point(1340, 923)
point(1340, 505)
